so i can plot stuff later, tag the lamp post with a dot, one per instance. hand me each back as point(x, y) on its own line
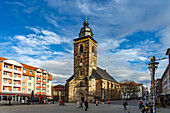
point(153, 65)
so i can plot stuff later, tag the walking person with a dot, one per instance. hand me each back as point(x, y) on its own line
point(86, 105)
point(78, 104)
point(97, 102)
point(140, 104)
point(81, 104)
point(108, 101)
point(125, 104)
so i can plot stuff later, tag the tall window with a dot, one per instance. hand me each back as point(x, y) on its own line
point(29, 78)
point(92, 49)
point(23, 77)
point(23, 83)
point(29, 84)
point(81, 72)
point(81, 48)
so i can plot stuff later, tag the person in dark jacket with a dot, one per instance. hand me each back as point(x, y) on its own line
point(125, 104)
point(86, 105)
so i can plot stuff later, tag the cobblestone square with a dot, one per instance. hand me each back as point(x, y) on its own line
point(114, 107)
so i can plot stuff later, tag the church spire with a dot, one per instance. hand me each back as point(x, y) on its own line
point(86, 30)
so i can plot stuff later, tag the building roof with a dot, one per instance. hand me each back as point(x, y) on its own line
point(102, 74)
point(70, 78)
point(58, 87)
point(167, 68)
point(167, 52)
point(1, 58)
point(130, 82)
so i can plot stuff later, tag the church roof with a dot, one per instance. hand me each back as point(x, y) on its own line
point(102, 74)
point(69, 79)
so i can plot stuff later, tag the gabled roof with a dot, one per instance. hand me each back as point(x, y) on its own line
point(130, 83)
point(1, 58)
point(102, 74)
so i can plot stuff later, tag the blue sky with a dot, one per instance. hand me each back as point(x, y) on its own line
point(128, 32)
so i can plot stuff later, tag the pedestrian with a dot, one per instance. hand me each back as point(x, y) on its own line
point(146, 108)
point(125, 104)
point(97, 102)
point(108, 101)
point(151, 107)
point(78, 104)
point(86, 105)
point(81, 104)
point(140, 104)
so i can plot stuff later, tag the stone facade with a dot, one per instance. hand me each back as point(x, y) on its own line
point(87, 83)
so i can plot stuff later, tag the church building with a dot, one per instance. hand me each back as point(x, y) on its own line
point(89, 82)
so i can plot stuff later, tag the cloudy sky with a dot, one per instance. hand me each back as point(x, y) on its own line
point(129, 32)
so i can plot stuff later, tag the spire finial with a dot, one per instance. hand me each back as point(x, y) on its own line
point(86, 19)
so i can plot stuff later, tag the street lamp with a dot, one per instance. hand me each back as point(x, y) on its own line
point(153, 65)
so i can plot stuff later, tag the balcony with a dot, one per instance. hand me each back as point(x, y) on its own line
point(7, 76)
point(44, 82)
point(39, 76)
point(16, 91)
point(38, 87)
point(8, 69)
point(38, 92)
point(16, 71)
point(17, 78)
point(43, 87)
point(38, 81)
point(43, 92)
point(44, 77)
point(16, 85)
point(6, 90)
point(7, 84)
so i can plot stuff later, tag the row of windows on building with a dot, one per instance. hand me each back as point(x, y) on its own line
point(29, 90)
point(81, 49)
point(25, 70)
point(6, 66)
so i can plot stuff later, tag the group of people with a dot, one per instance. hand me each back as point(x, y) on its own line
point(80, 104)
point(145, 108)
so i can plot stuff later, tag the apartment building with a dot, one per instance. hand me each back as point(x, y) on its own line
point(18, 80)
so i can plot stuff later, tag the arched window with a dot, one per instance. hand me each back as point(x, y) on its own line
point(92, 49)
point(81, 48)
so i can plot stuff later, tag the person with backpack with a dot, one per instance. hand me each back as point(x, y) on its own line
point(125, 104)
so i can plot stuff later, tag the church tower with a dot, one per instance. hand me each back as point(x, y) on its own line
point(85, 53)
point(89, 81)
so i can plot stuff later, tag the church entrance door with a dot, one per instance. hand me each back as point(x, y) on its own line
point(82, 99)
point(80, 96)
